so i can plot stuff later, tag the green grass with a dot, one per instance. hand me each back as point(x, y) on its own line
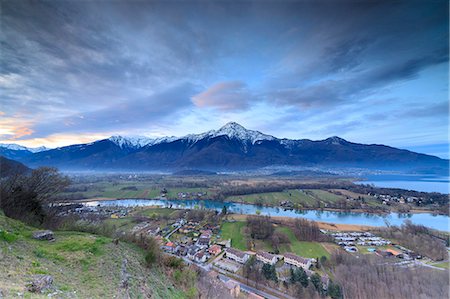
point(444, 265)
point(158, 212)
point(302, 248)
point(275, 198)
point(119, 189)
point(325, 195)
point(234, 231)
point(87, 264)
point(8, 237)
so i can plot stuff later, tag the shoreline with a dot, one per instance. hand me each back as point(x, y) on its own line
point(412, 211)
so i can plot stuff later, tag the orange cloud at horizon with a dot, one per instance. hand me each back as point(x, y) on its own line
point(56, 140)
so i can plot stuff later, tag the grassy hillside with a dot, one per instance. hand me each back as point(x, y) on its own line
point(82, 265)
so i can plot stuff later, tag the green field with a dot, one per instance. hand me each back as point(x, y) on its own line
point(121, 189)
point(444, 265)
point(82, 265)
point(302, 248)
point(161, 212)
point(325, 195)
point(275, 198)
point(235, 232)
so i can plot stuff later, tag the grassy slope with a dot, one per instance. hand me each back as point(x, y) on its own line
point(302, 248)
point(234, 231)
point(82, 265)
point(274, 198)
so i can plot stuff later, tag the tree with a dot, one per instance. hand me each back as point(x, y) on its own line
point(303, 278)
point(315, 280)
point(26, 197)
point(249, 267)
point(270, 272)
point(334, 291)
point(224, 210)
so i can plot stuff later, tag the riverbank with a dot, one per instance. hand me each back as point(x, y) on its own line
point(379, 213)
point(322, 225)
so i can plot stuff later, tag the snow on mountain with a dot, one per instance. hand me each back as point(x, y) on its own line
point(232, 130)
point(133, 141)
point(16, 147)
point(138, 141)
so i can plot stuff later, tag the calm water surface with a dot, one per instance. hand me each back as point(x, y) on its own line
point(439, 222)
point(416, 183)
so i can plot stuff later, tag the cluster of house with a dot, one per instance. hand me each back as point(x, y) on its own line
point(84, 211)
point(349, 240)
point(269, 258)
point(196, 244)
point(386, 199)
point(359, 238)
point(185, 195)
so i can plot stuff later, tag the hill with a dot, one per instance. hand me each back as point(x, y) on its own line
point(9, 167)
point(82, 266)
point(232, 147)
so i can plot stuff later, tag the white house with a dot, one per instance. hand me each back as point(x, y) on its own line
point(298, 261)
point(266, 257)
point(237, 255)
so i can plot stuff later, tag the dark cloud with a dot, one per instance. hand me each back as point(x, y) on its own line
point(121, 116)
point(88, 66)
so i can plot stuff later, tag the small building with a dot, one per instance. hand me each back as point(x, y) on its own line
point(266, 257)
point(297, 261)
point(169, 247)
point(233, 287)
point(237, 255)
point(203, 241)
point(394, 252)
point(200, 257)
point(215, 249)
point(182, 250)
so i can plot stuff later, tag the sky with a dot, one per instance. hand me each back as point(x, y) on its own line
point(367, 71)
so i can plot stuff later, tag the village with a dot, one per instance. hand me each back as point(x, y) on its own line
point(197, 237)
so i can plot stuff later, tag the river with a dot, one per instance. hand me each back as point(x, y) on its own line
point(440, 222)
point(410, 182)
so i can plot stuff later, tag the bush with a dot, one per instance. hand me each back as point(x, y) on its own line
point(8, 237)
point(150, 257)
point(173, 262)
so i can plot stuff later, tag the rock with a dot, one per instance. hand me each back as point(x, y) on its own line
point(40, 283)
point(43, 235)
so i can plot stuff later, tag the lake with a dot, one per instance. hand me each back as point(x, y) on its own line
point(439, 222)
point(416, 183)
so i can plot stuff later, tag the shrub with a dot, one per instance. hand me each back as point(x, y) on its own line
point(150, 257)
point(8, 237)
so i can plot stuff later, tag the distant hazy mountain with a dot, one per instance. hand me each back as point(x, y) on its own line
point(10, 167)
point(232, 147)
point(15, 151)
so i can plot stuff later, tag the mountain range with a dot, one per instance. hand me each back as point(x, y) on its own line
point(232, 147)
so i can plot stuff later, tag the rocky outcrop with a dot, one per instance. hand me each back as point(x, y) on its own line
point(40, 283)
point(43, 235)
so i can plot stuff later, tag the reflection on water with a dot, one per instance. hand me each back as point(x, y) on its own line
point(439, 222)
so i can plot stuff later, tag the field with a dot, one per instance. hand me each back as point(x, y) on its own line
point(302, 248)
point(235, 232)
point(82, 265)
point(275, 198)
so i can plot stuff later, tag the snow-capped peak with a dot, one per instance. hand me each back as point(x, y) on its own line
point(138, 141)
point(235, 130)
point(336, 140)
point(232, 130)
point(133, 141)
point(16, 147)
